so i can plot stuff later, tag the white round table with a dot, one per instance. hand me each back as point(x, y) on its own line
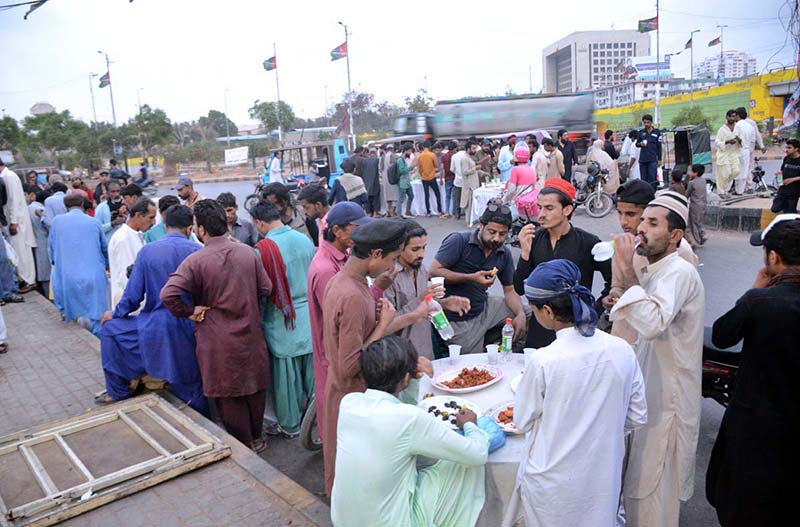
point(418, 203)
point(501, 469)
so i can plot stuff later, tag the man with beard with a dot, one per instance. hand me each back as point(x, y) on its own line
point(410, 287)
point(729, 152)
point(664, 303)
point(753, 467)
point(505, 159)
point(185, 189)
point(112, 212)
point(570, 153)
point(291, 215)
point(470, 262)
point(556, 238)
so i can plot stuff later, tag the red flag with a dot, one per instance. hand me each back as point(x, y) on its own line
point(716, 41)
point(339, 52)
point(271, 64)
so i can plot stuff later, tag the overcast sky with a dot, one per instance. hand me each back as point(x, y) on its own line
point(184, 54)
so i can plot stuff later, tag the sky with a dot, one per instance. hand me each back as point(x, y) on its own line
point(182, 55)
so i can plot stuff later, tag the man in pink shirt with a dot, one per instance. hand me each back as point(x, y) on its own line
point(331, 256)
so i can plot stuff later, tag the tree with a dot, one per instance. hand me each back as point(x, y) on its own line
point(267, 114)
point(10, 136)
point(216, 121)
point(56, 134)
point(691, 116)
point(421, 102)
point(151, 128)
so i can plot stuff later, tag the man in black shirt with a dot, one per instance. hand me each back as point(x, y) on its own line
point(101, 190)
point(569, 152)
point(785, 200)
point(608, 145)
point(556, 238)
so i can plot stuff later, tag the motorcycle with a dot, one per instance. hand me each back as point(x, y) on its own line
point(294, 185)
point(591, 195)
point(149, 187)
point(719, 370)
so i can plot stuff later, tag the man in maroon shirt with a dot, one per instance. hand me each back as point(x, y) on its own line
point(224, 280)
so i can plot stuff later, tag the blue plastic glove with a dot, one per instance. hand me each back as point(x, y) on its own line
point(497, 438)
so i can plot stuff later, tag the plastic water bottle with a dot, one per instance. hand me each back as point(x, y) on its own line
point(603, 251)
point(507, 340)
point(439, 319)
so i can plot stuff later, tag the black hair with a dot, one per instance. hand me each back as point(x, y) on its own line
point(731, 112)
point(548, 142)
point(29, 172)
point(279, 190)
point(406, 147)
point(437, 146)
point(561, 132)
point(608, 134)
point(358, 150)
point(211, 216)
point(328, 234)
point(112, 162)
point(165, 202)
point(562, 198)
point(784, 239)
point(58, 187)
point(87, 204)
point(633, 134)
point(226, 199)
point(413, 230)
point(29, 189)
point(132, 190)
point(741, 111)
point(699, 169)
point(314, 193)
point(141, 207)
point(178, 216)
point(453, 145)
point(73, 200)
point(348, 166)
point(793, 142)
point(677, 175)
point(265, 211)
point(561, 306)
point(647, 117)
point(533, 143)
point(363, 250)
point(42, 195)
point(674, 221)
point(385, 363)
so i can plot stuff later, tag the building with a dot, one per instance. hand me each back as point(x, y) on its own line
point(587, 60)
point(735, 65)
point(41, 108)
point(643, 90)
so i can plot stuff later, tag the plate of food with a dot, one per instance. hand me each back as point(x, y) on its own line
point(468, 379)
point(446, 407)
point(503, 415)
point(515, 382)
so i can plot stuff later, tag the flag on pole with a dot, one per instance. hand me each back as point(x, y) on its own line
point(688, 44)
point(344, 126)
point(650, 24)
point(271, 64)
point(339, 52)
point(716, 41)
point(620, 67)
point(105, 80)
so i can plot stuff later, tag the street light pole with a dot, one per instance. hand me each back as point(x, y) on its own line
point(278, 90)
point(91, 91)
point(352, 139)
point(691, 66)
point(227, 126)
point(658, 66)
point(139, 100)
point(110, 88)
point(721, 49)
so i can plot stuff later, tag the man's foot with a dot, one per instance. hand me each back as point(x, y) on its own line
point(408, 216)
point(3, 347)
point(259, 445)
point(27, 288)
point(103, 399)
point(14, 299)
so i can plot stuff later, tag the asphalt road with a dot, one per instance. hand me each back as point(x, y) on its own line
point(728, 266)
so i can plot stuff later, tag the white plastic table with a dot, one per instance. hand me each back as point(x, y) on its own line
point(418, 203)
point(480, 198)
point(501, 470)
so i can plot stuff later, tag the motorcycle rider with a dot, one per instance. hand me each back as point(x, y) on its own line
point(754, 463)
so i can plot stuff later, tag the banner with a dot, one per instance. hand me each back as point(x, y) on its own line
point(339, 52)
point(236, 156)
point(271, 64)
point(105, 80)
point(646, 68)
point(650, 24)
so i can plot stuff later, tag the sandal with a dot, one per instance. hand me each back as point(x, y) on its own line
point(14, 299)
point(259, 445)
point(3, 347)
point(103, 399)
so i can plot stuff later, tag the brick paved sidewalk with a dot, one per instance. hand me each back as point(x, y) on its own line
point(52, 371)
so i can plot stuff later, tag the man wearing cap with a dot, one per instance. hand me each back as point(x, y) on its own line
point(751, 478)
point(470, 262)
point(186, 191)
point(505, 158)
point(576, 399)
point(351, 320)
point(664, 303)
point(334, 246)
point(632, 198)
point(556, 238)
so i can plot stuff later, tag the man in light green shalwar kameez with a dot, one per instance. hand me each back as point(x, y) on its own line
point(377, 483)
point(289, 342)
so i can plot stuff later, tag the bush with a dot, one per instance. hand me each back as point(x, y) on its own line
point(691, 116)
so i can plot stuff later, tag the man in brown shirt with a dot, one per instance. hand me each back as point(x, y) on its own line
point(555, 165)
point(225, 280)
point(349, 320)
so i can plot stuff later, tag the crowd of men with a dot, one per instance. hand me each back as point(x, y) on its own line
point(315, 298)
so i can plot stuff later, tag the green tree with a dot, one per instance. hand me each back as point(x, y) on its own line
point(216, 121)
point(268, 115)
point(691, 116)
point(151, 128)
point(55, 134)
point(10, 136)
point(421, 102)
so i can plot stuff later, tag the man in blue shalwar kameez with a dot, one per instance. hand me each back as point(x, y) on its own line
point(79, 254)
point(154, 342)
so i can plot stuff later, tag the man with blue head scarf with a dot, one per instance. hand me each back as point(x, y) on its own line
point(577, 398)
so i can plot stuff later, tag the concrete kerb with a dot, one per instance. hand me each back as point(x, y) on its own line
point(743, 219)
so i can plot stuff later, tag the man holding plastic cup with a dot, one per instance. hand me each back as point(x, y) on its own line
point(410, 286)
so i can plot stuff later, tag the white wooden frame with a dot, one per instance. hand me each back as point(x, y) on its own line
point(60, 504)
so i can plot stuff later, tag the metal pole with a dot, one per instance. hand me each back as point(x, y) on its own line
point(278, 90)
point(530, 78)
point(721, 27)
point(110, 88)
point(658, 67)
point(349, 88)
point(91, 90)
point(227, 126)
point(691, 66)
point(139, 100)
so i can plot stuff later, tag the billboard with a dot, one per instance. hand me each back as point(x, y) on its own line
point(236, 156)
point(645, 68)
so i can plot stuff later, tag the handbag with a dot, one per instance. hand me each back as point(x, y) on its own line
point(527, 202)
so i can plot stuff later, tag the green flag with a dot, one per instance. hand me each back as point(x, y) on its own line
point(651, 24)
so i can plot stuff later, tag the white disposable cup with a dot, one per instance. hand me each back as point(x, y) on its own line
point(528, 354)
point(438, 282)
point(494, 353)
point(455, 351)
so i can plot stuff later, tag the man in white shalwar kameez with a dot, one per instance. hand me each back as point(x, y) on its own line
point(729, 152)
point(664, 303)
point(748, 134)
point(576, 399)
point(126, 243)
point(22, 239)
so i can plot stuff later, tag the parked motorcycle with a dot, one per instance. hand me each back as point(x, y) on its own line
point(250, 201)
point(591, 195)
point(719, 370)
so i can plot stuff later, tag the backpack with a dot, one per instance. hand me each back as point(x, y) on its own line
point(391, 174)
